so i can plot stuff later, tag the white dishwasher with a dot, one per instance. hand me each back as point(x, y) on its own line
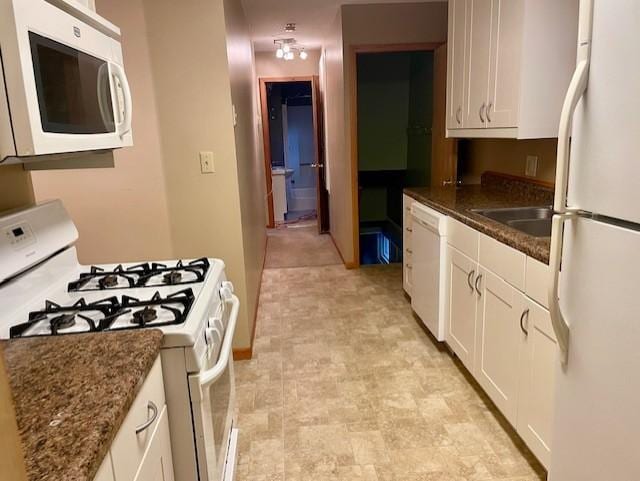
point(429, 242)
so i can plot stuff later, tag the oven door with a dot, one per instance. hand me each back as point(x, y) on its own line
point(65, 82)
point(212, 394)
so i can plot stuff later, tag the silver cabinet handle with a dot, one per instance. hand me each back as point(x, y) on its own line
point(478, 279)
point(446, 183)
point(409, 251)
point(489, 107)
point(150, 420)
point(469, 279)
point(458, 114)
point(313, 166)
point(409, 229)
point(525, 313)
point(408, 266)
point(481, 111)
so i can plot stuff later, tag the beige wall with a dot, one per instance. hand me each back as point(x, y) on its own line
point(369, 24)
point(188, 47)
point(507, 156)
point(267, 65)
point(121, 213)
point(338, 168)
point(15, 187)
point(184, 71)
point(250, 166)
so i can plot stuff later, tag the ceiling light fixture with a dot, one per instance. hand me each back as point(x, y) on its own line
point(290, 27)
point(303, 55)
point(288, 56)
point(280, 53)
point(288, 48)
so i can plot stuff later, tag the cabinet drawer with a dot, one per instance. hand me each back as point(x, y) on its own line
point(502, 260)
point(537, 281)
point(128, 448)
point(463, 238)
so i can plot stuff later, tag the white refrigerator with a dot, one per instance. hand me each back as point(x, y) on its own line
point(595, 253)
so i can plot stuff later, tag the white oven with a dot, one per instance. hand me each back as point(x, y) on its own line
point(64, 85)
point(212, 394)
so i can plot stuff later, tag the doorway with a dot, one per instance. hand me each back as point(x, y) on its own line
point(293, 151)
point(398, 103)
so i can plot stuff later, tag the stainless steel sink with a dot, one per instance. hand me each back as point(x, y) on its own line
point(535, 221)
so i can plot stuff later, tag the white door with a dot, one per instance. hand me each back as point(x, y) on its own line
point(597, 413)
point(157, 464)
point(604, 168)
point(500, 308)
point(477, 83)
point(538, 360)
point(457, 60)
point(504, 63)
point(461, 306)
point(426, 276)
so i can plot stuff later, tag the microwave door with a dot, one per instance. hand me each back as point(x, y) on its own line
point(72, 88)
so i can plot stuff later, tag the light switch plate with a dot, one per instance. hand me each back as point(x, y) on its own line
point(531, 168)
point(206, 163)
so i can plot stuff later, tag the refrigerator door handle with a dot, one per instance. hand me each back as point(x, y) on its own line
point(576, 89)
point(560, 325)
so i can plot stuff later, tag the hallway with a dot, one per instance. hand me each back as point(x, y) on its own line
point(346, 385)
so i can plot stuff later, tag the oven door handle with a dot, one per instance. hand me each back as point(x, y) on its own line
point(211, 375)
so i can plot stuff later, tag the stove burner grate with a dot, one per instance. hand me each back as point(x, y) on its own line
point(56, 319)
point(141, 275)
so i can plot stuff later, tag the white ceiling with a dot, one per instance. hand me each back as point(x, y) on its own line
point(267, 19)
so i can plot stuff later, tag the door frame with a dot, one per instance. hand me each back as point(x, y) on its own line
point(353, 127)
point(266, 139)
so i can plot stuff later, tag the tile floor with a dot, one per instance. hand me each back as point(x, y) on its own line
point(298, 244)
point(345, 385)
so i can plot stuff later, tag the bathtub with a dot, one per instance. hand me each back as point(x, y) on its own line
point(301, 198)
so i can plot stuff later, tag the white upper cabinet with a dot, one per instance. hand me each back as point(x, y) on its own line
point(477, 78)
point(513, 61)
point(456, 61)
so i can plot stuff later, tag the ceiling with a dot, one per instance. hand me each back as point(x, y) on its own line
point(267, 19)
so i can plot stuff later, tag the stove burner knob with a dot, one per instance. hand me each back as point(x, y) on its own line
point(226, 291)
point(212, 336)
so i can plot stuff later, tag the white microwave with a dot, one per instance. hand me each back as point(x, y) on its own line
point(63, 88)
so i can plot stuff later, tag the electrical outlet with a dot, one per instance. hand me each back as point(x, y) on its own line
point(532, 166)
point(206, 163)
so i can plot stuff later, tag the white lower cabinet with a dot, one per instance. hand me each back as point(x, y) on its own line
point(141, 449)
point(105, 472)
point(461, 306)
point(157, 463)
point(498, 342)
point(538, 363)
point(500, 334)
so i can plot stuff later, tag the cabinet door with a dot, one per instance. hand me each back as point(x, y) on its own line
point(461, 306)
point(539, 360)
point(499, 341)
point(456, 62)
point(504, 63)
point(105, 472)
point(157, 464)
point(478, 63)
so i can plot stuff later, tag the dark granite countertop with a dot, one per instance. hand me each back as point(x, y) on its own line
point(72, 394)
point(494, 192)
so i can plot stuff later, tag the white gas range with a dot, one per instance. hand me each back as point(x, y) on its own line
point(45, 291)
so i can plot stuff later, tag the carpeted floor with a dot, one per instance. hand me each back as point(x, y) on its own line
point(346, 385)
point(299, 245)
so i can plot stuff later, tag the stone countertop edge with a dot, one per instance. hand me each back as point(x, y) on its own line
point(71, 395)
point(457, 203)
